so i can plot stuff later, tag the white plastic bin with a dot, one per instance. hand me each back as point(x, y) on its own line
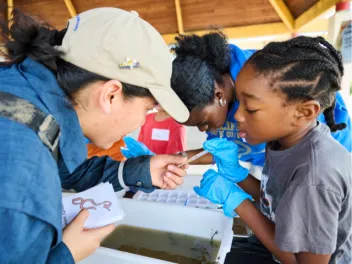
point(171, 218)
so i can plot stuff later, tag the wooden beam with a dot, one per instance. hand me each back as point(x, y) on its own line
point(71, 9)
point(240, 32)
point(9, 9)
point(179, 17)
point(314, 12)
point(284, 13)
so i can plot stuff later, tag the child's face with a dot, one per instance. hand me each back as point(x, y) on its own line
point(159, 108)
point(263, 114)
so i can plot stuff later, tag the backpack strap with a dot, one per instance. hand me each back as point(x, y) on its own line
point(44, 125)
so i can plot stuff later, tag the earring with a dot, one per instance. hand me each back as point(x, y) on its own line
point(222, 102)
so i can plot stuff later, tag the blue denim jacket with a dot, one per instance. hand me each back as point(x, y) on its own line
point(31, 181)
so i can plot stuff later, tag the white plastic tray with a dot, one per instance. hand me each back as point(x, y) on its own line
point(176, 197)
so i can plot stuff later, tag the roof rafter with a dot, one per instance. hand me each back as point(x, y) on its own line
point(314, 12)
point(70, 7)
point(9, 9)
point(179, 17)
point(284, 13)
point(240, 32)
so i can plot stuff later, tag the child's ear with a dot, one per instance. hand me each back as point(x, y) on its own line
point(306, 112)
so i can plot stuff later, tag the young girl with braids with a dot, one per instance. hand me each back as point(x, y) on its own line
point(305, 211)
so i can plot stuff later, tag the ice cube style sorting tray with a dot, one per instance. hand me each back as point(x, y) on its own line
point(183, 198)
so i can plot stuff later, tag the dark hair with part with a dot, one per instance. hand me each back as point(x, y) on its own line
point(27, 37)
point(303, 68)
point(200, 62)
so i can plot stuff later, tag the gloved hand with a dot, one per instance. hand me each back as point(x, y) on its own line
point(221, 190)
point(226, 158)
point(134, 148)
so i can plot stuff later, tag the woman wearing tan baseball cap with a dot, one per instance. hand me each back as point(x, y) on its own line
point(97, 79)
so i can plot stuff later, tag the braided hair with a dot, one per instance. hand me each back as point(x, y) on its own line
point(200, 62)
point(303, 68)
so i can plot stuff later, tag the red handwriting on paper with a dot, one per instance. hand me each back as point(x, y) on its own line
point(80, 201)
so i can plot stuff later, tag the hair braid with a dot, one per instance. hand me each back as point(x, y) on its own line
point(304, 68)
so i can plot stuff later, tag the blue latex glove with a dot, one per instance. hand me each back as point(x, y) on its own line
point(221, 190)
point(225, 153)
point(134, 148)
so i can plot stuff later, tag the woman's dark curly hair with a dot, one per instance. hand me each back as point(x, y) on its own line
point(199, 62)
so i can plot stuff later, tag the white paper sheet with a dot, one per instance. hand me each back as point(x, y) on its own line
point(101, 202)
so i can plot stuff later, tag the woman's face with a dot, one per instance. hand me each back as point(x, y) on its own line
point(111, 116)
point(127, 116)
point(213, 115)
point(210, 117)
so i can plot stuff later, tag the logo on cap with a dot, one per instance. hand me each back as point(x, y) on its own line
point(78, 19)
point(129, 64)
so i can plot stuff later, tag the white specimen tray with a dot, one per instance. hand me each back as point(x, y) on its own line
point(177, 197)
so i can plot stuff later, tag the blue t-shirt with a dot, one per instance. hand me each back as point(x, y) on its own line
point(255, 154)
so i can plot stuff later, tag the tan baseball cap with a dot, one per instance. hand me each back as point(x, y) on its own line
point(121, 46)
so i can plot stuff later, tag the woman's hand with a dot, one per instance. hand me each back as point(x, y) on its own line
point(165, 171)
point(83, 242)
